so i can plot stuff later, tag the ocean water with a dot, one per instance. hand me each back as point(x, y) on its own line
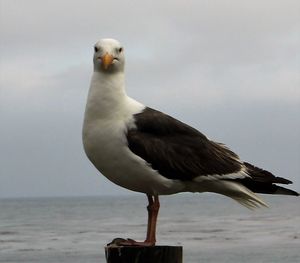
point(209, 227)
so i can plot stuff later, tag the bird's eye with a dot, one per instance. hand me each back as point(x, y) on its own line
point(120, 49)
point(96, 49)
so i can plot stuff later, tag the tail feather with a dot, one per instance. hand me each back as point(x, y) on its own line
point(248, 203)
point(244, 190)
point(238, 192)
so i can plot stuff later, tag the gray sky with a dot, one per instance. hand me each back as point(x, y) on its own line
point(228, 68)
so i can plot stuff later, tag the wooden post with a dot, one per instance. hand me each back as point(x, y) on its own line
point(131, 254)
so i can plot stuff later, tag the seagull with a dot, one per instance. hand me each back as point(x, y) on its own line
point(147, 151)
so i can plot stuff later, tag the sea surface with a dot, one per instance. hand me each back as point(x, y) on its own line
point(209, 227)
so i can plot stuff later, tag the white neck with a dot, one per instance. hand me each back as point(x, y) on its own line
point(106, 95)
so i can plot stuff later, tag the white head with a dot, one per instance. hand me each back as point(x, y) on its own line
point(109, 56)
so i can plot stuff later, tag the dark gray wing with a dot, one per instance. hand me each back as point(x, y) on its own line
point(177, 150)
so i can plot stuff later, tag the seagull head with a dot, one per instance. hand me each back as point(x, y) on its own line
point(108, 56)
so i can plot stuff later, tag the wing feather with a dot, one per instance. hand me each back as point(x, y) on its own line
point(177, 150)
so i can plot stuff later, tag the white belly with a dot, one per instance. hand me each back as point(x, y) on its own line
point(106, 146)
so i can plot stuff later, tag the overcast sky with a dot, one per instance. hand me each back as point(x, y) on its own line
point(229, 68)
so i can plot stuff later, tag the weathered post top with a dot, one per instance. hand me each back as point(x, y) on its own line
point(141, 254)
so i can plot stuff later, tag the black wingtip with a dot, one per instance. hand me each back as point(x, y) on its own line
point(261, 175)
point(280, 180)
point(284, 191)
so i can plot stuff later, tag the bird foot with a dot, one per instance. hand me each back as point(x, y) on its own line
point(130, 242)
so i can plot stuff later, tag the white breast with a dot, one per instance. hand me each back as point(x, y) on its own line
point(105, 144)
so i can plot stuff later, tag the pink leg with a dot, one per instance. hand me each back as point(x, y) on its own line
point(153, 208)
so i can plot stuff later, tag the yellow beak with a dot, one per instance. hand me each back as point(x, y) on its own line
point(107, 61)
